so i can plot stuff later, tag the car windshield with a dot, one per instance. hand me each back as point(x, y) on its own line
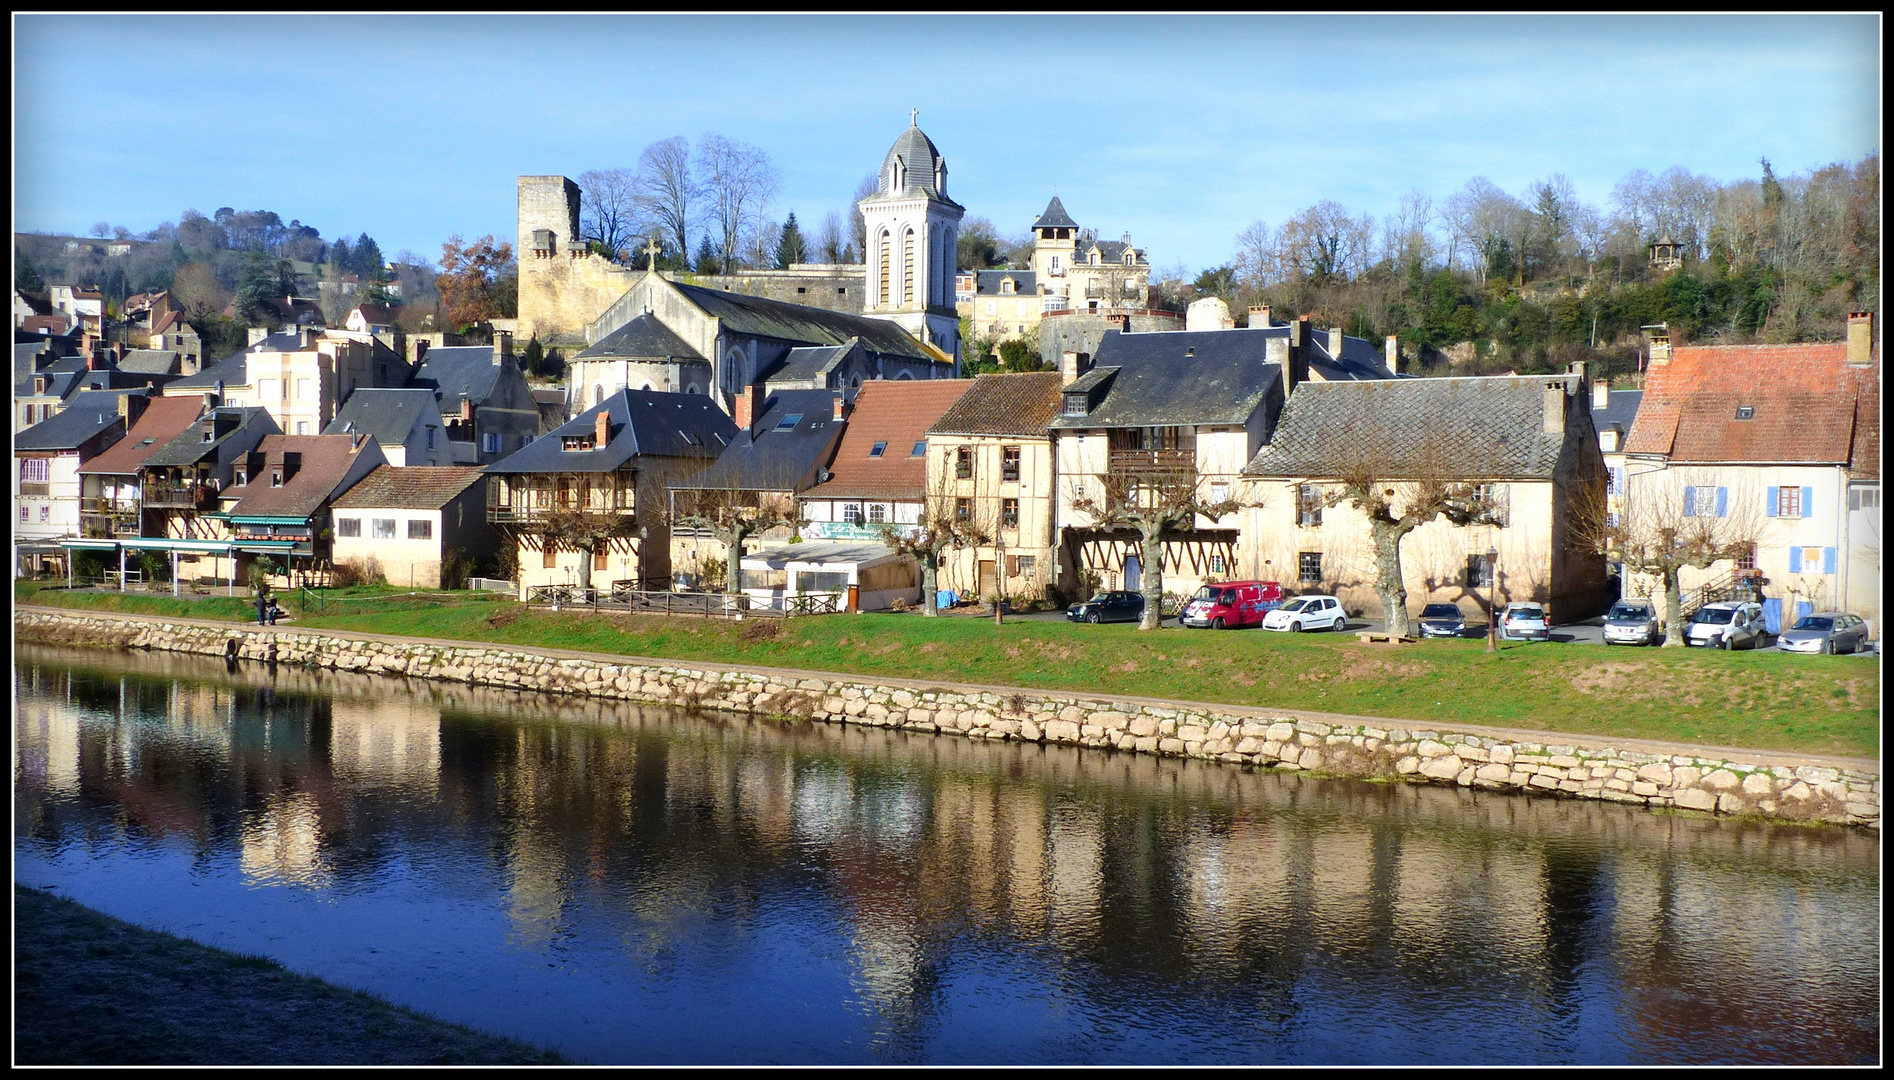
point(1526, 613)
point(1101, 598)
point(1296, 605)
point(1719, 616)
point(1813, 623)
point(1205, 593)
point(1440, 611)
point(1630, 611)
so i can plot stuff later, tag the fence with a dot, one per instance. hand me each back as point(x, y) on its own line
point(707, 604)
point(316, 601)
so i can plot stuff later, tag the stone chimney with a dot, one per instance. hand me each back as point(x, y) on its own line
point(1861, 338)
point(1600, 394)
point(1296, 372)
point(1259, 316)
point(1660, 349)
point(1071, 366)
point(502, 346)
point(1556, 390)
point(1335, 345)
point(748, 406)
point(258, 333)
point(601, 429)
point(1394, 354)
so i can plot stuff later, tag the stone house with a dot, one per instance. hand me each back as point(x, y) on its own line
point(878, 474)
point(991, 454)
point(408, 519)
point(1528, 439)
point(406, 424)
point(1786, 434)
point(1106, 275)
point(613, 461)
point(484, 400)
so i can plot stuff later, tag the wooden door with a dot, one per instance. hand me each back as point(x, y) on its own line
point(989, 581)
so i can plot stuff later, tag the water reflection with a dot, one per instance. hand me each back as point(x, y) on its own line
point(633, 885)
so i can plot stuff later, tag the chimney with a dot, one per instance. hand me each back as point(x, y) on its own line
point(1120, 323)
point(1660, 350)
point(601, 429)
point(1335, 345)
point(1394, 354)
point(466, 408)
point(1071, 366)
point(257, 333)
point(749, 405)
point(502, 347)
point(1861, 338)
point(1259, 316)
point(1297, 371)
point(1600, 394)
point(838, 405)
point(1555, 393)
point(210, 402)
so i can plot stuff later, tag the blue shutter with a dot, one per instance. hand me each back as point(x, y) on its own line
point(1690, 502)
point(1722, 502)
point(1828, 560)
point(1773, 503)
point(1795, 559)
point(1772, 614)
point(1808, 502)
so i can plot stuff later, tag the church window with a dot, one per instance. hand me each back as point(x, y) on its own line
point(907, 267)
point(887, 293)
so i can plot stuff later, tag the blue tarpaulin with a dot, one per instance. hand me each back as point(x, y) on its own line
point(946, 598)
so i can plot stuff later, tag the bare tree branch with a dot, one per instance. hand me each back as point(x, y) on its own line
point(1159, 502)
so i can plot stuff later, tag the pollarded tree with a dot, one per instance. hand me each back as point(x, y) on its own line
point(587, 532)
point(946, 524)
point(1669, 520)
point(733, 515)
point(1160, 501)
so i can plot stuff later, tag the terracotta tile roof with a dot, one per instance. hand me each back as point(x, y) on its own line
point(1004, 405)
point(164, 419)
point(1801, 403)
point(326, 459)
point(420, 487)
point(1864, 458)
point(897, 414)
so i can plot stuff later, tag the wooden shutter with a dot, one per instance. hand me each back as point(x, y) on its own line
point(1722, 502)
point(1690, 501)
point(1828, 560)
point(1808, 502)
point(1795, 559)
point(1773, 502)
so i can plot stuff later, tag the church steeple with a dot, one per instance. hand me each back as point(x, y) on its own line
point(913, 236)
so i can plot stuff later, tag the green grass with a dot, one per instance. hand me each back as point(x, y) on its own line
point(90, 989)
point(1758, 700)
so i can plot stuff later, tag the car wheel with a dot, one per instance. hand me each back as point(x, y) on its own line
point(1217, 623)
point(1828, 648)
point(1728, 644)
point(1295, 627)
point(1340, 623)
point(1092, 618)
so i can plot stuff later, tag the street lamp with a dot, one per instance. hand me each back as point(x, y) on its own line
point(1492, 599)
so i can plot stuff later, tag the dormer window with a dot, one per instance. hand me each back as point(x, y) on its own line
point(1006, 284)
point(1075, 405)
point(576, 442)
point(1094, 258)
point(1130, 259)
point(276, 478)
point(1746, 412)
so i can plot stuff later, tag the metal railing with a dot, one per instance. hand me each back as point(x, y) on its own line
point(1144, 460)
point(190, 495)
point(623, 599)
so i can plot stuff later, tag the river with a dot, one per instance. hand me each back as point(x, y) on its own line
point(632, 884)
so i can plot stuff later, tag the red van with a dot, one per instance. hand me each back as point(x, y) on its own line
point(1232, 604)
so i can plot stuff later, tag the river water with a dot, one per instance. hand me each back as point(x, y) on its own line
point(634, 885)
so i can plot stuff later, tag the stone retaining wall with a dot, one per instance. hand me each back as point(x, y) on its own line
point(1707, 781)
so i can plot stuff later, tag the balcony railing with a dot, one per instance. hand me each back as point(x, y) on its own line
point(186, 496)
point(96, 506)
point(1147, 461)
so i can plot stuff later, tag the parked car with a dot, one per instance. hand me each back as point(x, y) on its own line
point(1442, 620)
point(1232, 604)
point(1525, 622)
point(1307, 613)
point(1108, 607)
point(1631, 622)
point(1826, 632)
point(1727, 625)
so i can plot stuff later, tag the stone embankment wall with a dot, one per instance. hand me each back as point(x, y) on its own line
point(1767, 785)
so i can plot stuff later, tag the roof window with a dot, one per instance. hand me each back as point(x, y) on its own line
point(878, 449)
point(789, 421)
point(576, 442)
point(1746, 412)
point(920, 448)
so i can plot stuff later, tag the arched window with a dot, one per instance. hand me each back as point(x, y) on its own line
point(907, 266)
point(885, 257)
point(692, 389)
point(903, 375)
point(598, 393)
point(1129, 258)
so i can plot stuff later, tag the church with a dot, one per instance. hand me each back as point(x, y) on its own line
point(642, 329)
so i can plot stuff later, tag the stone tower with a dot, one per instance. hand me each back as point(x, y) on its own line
point(563, 286)
point(913, 237)
point(1055, 244)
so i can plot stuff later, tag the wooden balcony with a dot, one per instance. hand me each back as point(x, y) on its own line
point(179, 496)
point(1154, 461)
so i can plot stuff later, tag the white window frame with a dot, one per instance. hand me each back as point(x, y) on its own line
point(382, 528)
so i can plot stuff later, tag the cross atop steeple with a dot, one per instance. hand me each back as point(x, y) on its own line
point(914, 118)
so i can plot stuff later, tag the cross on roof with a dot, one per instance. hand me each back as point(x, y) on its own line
point(914, 118)
point(651, 249)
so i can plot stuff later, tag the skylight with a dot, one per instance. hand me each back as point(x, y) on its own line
point(1746, 412)
point(789, 421)
point(879, 449)
point(920, 448)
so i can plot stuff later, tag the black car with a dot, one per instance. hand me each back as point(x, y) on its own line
point(1108, 607)
point(1442, 620)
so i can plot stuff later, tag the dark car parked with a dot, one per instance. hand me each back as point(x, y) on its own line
point(1442, 620)
point(1108, 607)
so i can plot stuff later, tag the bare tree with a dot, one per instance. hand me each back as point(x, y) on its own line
point(1159, 501)
point(1404, 237)
point(1669, 520)
point(859, 224)
point(1398, 498)
point(1481, 218)
point(584, 531)
point(608, 208)
point(739, 182)
point(828, 239)
point(942, 527)
point(1255, 261)
point(665, 192)
point(733, 515)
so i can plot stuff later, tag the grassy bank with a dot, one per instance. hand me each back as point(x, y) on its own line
point(1758, 700)
point(89, 989)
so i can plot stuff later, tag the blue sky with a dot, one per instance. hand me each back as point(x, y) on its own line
point(1178, 130)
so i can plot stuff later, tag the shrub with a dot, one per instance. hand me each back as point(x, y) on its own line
point(455, 567)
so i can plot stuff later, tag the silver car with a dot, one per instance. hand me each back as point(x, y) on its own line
point(1825, 632)
point(1631, 622)
point(1727, 625)
point(1525, 622)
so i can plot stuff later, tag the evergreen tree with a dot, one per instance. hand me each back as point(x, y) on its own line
point(26, 276)
point(534, 359)
point(368, 260)
point(708, 261)
point(790, 247)
point(256, 282)
point(341, 256)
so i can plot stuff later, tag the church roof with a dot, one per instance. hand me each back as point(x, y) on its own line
point(1055, 217)
point(801, 323)
point(809, 363)
point(643, 337)
point(916, 151)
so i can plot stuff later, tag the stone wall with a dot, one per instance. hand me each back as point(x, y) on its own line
point(1082, 331)
point(1768, 785)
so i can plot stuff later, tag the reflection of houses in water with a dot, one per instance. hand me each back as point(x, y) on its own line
point(47, 739)
point(281, 844)
point(1075, 866)
point(395, 741)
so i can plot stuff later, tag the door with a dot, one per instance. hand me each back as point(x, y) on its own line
point(989, 582)
point(1134, 574)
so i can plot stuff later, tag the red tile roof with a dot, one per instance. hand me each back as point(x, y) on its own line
point(415, 487)
point(895, 413)
point(326, 459)
point(1864, 460)
point(164, 419)
point(1804, 400)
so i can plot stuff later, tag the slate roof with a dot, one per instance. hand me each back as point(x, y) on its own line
point(189, 447)
point(163, 420)
point(643, 336)
point(1176, 378)
point(784, 321)
point(920, 155)
point(58, 384)
point(809, 362)
point(421, 487)
point(454, 372)
point(1055, 217)
point(1471, 428)
point(26, 361)
point(150, 361)
point(388, 415)
point(771, 458)
point(83, 418)
point(987, 282)
point(326, 459)
point(897, 414)
point(648, 422)
point(1621, 408)
point(1805, 399)
point(1111, 252)
point(231, 371)
point(1004, 405)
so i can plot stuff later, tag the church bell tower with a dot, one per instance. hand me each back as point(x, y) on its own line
point(913, 237)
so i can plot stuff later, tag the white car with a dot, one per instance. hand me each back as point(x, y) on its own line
point(1728, 625)
point(1525, 622)
point(1307, 613)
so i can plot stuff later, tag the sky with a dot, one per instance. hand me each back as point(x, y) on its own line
point(1179, 130)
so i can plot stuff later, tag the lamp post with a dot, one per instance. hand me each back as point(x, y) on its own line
point(1492, 599)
